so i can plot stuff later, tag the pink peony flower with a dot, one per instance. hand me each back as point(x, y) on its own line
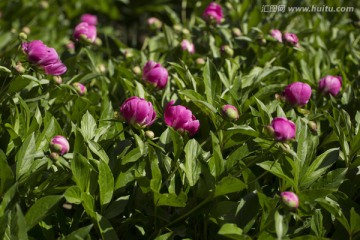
point(155, 74)
point(138, 112)
point(284, 129)
point(297, 93)
point(86, 32)
point(330, 84)
point(291, 38)
point(213, 12)
point(60, 145)
point(290, 199)
point(230, 112)
point(89, 18)
point(181, 119)
point(47, 58)
point(275, 33)
point(187, 46)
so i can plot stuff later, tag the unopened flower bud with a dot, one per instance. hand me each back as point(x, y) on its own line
point(26, 30)
point(44, 4)
point(57, 79)
point(177, 27)
point(237, 32)
point(98, 42)
point(23, 36)
point(19, 68)
point(227, 51)
point(269, 131)
point(313, 126)
point(137, 70)
point(290, 199)
point(60, 145)
point(200, 61)
point(185, 31)
point(54, 156)
point(230, 112)
point(80, 88)
point(149, 134)
point(154, 23)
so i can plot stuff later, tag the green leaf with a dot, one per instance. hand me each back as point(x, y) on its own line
point(116, 207)
point(106, 183)
point(228, 184)
point(243, 129)
point(354, 221)
point(79, 234)
point(317, 223)
point(25, 156)
point(41, 209)
point(73, 195)
point(20, 224)
point(132, 156)
point(81, 171)
point(216, 163)
point(106, 229)
point(192, 167)
point(212, 82)
point(231, 231)
point(4, 69)
point(281, 225)
point(165, 236)
point(88, 126)
point(98, 150)
point(170, 199)
point(276, 169)
point(6, 174)
point(18, 84)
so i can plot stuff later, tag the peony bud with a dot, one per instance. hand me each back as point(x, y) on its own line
point(213, 13)
point(60, 145)
point(230, 112)
point(237, 32)
point(297, 93)
point(181, 119)
point(44, 4)
point(227, 51)
point(138, 112)
point(80, 88)
point(37, 52)
point(275, 33)
point(149, 134)
point(200, 61)
point(54, 156)
point(89, 19)
point(313, 126)
point(155, 74)
point(137, 70)
point(154, 23)
point(187, 46)
point(330, 84)
point(23, 36)
point(57, 79)
point(26, 30)
point(19, 68)
point(284, 129)
point(85, 32)
point(291, 39)
point(290, 199)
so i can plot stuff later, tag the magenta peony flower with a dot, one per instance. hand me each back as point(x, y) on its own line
point(230, 112)
point(155, 74)
point(47, 58)
point(181, 119)
point(138, 112)
point(297, 93)
point(275, 33)
point(86, 32)
point(213, 12)
point(290, 199)
point(291, 38)
point(187, 46)
point(60, 145)
point(284, 129)
point(89, 18)
point(57, 68)
point(80, 88)
point(330, 84)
